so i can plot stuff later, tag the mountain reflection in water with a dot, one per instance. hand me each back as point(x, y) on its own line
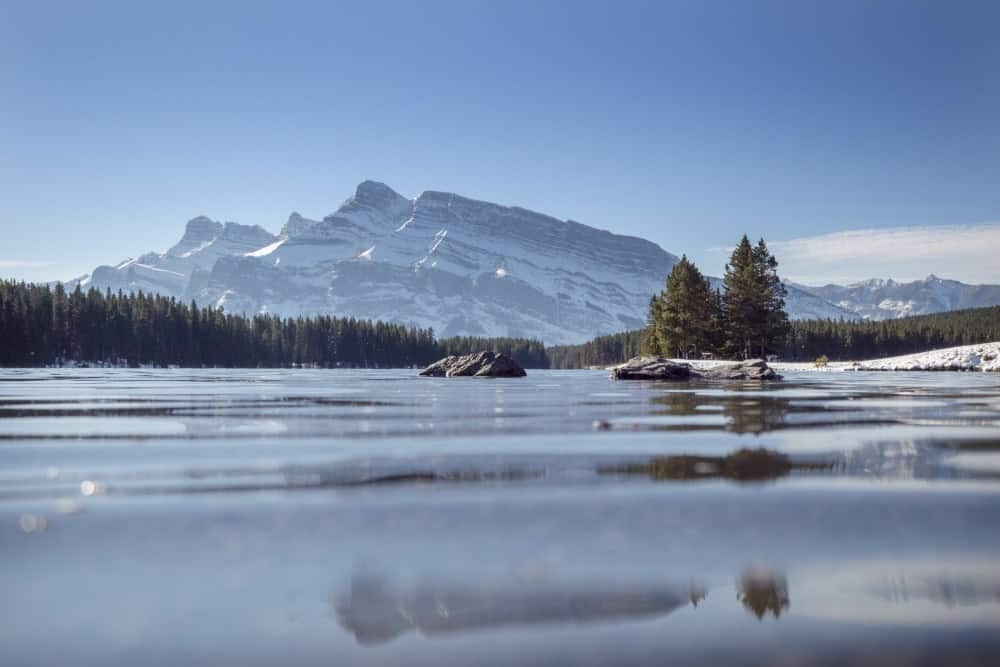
point(376, 611)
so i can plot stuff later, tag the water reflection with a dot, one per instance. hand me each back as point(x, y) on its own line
point(741, 413)
point(950, 591)
point(947, 589)
point(364, 460)
point(744, 465)
point(375, 610)
point(762, 591)
point(790, 406)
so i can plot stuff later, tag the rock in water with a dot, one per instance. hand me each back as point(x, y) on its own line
point(652, 368)
point(751, 369)
point(658, 368)
point(480, 364)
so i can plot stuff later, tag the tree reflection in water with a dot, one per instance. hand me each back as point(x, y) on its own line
point(744, 465)
point(763, 591)
point(743, 413)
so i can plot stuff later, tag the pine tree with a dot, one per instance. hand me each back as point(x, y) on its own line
point(741, 300)
point(754, 301)
point(775, 324)
point(682, 316)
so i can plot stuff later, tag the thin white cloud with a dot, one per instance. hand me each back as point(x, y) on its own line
point(970, 253)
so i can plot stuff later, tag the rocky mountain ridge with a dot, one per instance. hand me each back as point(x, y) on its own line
point(880, 299)
point(459, 265)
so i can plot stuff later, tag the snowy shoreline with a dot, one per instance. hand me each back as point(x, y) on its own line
point(981, 357)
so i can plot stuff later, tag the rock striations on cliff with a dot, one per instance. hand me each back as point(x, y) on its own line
point(440, 260)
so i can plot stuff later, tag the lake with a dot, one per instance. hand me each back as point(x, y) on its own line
point(328, 517)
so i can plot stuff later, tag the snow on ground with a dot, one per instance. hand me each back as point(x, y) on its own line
point(811, 366)
point(982, 357)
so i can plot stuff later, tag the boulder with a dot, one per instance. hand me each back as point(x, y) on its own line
point(751, 369)
point(480, 364)
point(652, 368)
point(658, 368)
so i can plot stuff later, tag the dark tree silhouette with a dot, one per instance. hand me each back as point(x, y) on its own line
point(40, 325)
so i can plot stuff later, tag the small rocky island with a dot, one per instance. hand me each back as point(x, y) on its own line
point(479, 364)
point(659, 368)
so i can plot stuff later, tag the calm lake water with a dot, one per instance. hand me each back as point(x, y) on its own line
point(175, 517)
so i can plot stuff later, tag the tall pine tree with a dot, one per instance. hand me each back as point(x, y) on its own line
point(776, 325)
point(683, 316)
point(754, 301)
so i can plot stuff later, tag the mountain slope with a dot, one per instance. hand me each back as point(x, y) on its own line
point(884, 299)
point(170, 272)
point(802, 304)
point(459, 265)
point(462, 266)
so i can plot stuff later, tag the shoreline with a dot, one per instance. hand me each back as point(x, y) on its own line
point(982, 357)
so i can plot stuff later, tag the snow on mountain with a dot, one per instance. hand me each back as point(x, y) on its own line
point(879, 299)
point(461, 266)
point(170, 272)
point(803, 305)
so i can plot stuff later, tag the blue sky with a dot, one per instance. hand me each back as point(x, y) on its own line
point(688, 123)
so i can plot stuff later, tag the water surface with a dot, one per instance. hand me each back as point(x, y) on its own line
point(376, 517)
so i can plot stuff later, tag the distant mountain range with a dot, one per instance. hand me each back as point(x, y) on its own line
point(879, 299)
point(461, 266)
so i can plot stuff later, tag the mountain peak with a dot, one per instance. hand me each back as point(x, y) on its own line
point(296, 225)
point(885, 299)
point(198, 231)
point(460, 265)
point(252, 233)
point(374, 192)
point(201, 223)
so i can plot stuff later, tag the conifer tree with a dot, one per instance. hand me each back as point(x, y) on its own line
point(775, 326)
point(740, 300)
point(649, 343)
point(754, 301)
point(682, 316)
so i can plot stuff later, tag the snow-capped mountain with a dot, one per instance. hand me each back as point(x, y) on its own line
point(802, 304)
point(461, 266)
point(170, 272)
point(879, 299)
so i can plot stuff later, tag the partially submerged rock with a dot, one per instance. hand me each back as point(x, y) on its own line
point(652, 368)
point(751, 369)
point(479, 364)
point(658, 368)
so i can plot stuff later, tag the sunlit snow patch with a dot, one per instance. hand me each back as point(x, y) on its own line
point(266, 250)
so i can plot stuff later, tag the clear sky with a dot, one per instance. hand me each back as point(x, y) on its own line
point(688, 123)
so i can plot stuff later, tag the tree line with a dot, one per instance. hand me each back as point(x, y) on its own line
point(42, 325)
point(806, 340)
point(846, 340)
